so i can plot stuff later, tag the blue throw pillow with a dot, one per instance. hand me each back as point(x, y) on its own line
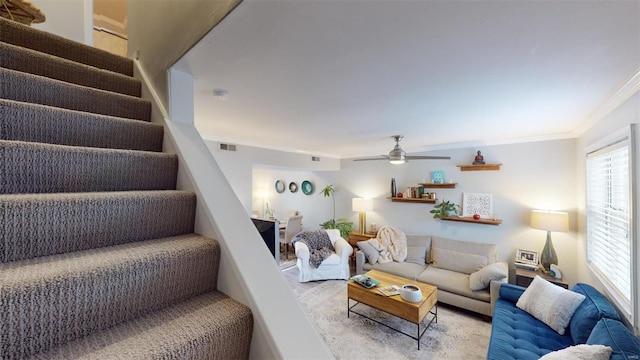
point(594, 307)
point(614, 334)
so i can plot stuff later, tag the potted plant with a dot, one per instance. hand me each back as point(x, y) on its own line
point(343, 225)
point(444, 209)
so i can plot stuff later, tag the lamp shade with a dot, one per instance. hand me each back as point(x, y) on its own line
point(362, 205)
point(550, 220)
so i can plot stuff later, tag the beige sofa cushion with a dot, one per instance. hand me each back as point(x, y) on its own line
point(453, 282)
point(461, 256)
point(403, 269)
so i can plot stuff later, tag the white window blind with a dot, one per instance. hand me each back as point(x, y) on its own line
point(609, 240)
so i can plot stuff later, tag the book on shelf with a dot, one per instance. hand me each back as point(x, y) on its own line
point(389, 290)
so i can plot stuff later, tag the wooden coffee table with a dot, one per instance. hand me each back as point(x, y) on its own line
point(395, 305)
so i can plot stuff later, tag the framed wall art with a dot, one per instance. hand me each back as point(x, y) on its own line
point(526, 257)
point(438, 177)
point(475, 203)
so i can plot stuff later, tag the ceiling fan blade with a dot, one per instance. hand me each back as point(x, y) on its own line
point(382, 157)
point(417, 157)
point(408, 157)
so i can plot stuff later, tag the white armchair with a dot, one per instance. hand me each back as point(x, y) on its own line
point(335, 266)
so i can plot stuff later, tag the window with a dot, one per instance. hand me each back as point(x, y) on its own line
point(610, 248)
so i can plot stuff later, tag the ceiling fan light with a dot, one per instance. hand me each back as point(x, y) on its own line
point(397, 155)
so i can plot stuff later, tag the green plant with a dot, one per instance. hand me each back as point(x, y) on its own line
point(444, 209)
point(343, 225)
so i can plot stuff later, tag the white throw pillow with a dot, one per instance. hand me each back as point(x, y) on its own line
point(580, 352)
point(550, 303)
point(482, 278)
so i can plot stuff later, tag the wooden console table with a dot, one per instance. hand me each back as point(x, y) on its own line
point(524, 278)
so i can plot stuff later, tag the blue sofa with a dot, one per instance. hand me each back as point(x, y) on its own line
point(517, 335)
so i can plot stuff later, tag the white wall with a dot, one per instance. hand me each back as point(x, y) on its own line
point(539, 175)
point(315, 208)
point(162, 31)
point(238, 167)
point(66, 18)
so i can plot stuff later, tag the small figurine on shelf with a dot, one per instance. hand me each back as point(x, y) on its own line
point(479, 160)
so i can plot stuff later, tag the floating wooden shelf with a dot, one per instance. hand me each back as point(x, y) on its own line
point(413, 200)
point(495, 222)
point(479, 167)
point(439, 186)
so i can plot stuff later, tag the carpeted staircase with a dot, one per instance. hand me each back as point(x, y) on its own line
point(98, 259)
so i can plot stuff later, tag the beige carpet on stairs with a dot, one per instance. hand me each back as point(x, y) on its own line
point(457, 335)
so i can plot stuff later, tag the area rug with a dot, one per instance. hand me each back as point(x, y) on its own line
point(287, 263)
point(457, 335)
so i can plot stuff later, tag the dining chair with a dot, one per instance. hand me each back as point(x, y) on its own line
point(294, 226)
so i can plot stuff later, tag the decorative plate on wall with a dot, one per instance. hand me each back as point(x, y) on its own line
point(280, 186)
point(307, 187)
point(293, 187)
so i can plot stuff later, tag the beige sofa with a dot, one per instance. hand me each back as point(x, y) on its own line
point(453, 266)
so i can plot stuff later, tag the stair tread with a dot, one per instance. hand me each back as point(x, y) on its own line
point(25, 87)
point(40, 168)
point(54, 223)
point(25, 36)
point(98, 258)
point(184, 331)
point(22, 121)
point(47, 269)
point(34, 62)
point(52, 300)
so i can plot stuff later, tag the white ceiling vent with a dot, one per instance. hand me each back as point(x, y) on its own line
point(315, 158)
point(227, 147)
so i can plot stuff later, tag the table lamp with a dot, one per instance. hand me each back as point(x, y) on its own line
point(362, 206)
point(549, 221)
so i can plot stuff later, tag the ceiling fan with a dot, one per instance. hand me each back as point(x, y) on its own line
point(399, 156)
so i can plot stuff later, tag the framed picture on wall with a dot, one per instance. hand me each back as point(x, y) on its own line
point(474, 203)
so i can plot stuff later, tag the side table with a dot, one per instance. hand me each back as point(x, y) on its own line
point(524, 277)
point(353, 239)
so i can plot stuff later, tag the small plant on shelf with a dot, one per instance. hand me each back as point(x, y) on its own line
point(444, 209)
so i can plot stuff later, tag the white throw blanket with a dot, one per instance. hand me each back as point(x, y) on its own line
point(391, 243)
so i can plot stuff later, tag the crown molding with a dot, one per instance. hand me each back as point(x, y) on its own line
point(624, 92)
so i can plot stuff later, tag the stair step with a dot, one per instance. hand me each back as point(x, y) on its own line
point(15, 33)
point(24, 87)
point(46, 168)
point(35, 225)
point(33, 62)
point(52, 300)
point(211, 326)
point(40, 123)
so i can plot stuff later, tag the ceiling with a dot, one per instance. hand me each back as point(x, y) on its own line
point(338, 78)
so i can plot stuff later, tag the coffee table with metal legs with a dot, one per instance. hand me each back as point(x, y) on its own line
point(395, 305)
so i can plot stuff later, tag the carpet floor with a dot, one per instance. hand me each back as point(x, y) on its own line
point(457, 335)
